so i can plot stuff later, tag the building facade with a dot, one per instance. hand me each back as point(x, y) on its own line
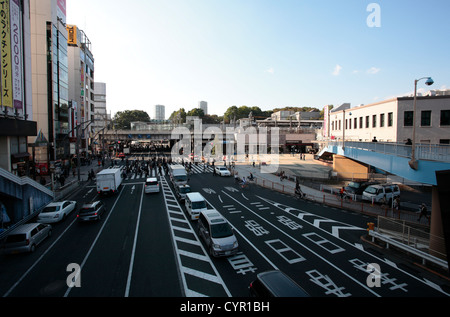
point(82, 86)
point(204, 106)
point(16, 113)
point(50, 79)
point(393, 121)
point(159, 113)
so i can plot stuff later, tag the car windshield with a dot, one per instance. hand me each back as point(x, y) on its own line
point(185, 190)
point(198, 204)
point(180, 177)
point(152, 183)
point(371, 190)
point(51, 209)
point(221, 230)
point(354, 185)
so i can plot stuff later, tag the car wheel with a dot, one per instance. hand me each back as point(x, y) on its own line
point(211, 251)
point(49, 234)
point(32, 248)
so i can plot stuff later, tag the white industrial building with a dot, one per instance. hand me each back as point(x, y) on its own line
point(392, 120)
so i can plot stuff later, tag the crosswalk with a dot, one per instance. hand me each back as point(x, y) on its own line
point(195, 169)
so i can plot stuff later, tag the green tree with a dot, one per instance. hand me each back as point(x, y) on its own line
point(196, 112)
point(122, 119)
point(181, 113)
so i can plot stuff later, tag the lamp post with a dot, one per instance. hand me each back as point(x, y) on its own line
point(413, 163)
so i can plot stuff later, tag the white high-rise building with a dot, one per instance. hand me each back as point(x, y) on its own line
point(100, 114)
point(204, 106)
point(159, 112)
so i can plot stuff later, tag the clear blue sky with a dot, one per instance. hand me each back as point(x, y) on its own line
point(265, 53)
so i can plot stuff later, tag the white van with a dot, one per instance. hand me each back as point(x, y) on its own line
point(381, 193)
point(195, 203)
point(217, 233)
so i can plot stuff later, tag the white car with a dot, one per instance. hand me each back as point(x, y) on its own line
point(151, 185)
point(56, 211)
point(222, 171)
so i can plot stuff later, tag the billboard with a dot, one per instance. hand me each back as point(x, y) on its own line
point(6, 69)
point(11, 75)
point(71, 35)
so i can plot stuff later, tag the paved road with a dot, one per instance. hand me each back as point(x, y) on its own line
point(146, 246)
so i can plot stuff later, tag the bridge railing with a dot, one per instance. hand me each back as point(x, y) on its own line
point(430, 152)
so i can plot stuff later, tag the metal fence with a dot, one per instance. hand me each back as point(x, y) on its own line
point(416, 237)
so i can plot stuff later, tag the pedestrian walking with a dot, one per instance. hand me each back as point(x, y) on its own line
point(423, 212)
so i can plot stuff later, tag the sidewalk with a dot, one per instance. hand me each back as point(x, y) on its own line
point(293, 166)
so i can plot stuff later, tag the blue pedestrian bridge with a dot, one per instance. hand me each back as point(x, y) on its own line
point(394, 158)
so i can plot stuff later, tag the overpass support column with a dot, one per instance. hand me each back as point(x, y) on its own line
point(437, 238)
point(348, 168)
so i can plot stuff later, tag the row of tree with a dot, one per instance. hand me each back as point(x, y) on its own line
point(122, 119)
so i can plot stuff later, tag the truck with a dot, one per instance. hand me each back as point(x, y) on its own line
point(178, 175)
point(109, 180)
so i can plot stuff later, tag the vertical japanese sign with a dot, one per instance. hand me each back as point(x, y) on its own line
point(6, 69)
point(16, 54)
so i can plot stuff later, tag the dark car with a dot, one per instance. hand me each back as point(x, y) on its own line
point(91, 211)
point(357, 188)
point(275, 284)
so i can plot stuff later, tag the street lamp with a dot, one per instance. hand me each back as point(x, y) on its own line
point(413, 163)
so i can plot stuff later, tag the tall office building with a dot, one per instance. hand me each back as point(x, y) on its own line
point(100, 114)
point(82, 87)
point(50, 93)
point(204, 106)
point(159, 113)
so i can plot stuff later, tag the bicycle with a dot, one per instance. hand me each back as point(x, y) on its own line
point(244, 185)
point(343, 197)
point(300, 195)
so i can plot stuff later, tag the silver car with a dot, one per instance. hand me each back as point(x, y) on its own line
point(217, 233)
point(92, 211)
point(26, 237)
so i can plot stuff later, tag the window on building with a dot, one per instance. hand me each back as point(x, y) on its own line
point(339, 125)
point(445, 117)
point(444, 141)
point(355, 123)
point(367, 122)
point(381, 120)
point(408, 118)
point(360, 122)
point(390, 119)
point(425, 118)
point(374, 121)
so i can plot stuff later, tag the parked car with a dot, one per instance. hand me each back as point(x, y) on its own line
point(56, 211)
point(357, 188)
point(181, 191)
point(222, 171)
point(151, 185)
point(26, 237)
point(275, 284)
point(381, 193)
point(217, 233)
point(92, 211)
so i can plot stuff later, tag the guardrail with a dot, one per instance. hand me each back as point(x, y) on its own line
point(423, 255)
